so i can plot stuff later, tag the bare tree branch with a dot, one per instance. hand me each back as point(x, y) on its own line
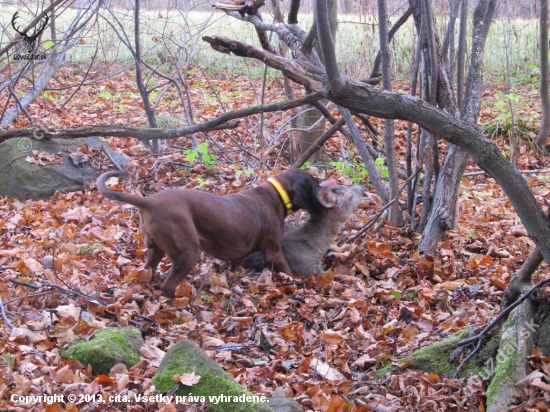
point(144, 133)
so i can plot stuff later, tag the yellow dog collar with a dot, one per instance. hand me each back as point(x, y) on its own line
point(282, 192)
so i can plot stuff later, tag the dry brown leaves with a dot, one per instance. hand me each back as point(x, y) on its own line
point(319, 339)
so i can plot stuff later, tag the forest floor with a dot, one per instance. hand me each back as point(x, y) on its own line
point(367, 311)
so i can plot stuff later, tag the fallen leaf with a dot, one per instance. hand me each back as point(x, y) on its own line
point(152, 353)
point(187, 379)
point(325, 371)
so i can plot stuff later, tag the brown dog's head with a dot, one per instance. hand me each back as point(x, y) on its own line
point(302, 188)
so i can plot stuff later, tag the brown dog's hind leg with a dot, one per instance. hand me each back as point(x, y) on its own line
point(154, 256)
point(181, 266)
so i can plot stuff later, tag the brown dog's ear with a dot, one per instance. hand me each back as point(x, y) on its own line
point(327, 197)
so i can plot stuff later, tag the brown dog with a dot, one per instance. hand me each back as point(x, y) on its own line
point(179, 222)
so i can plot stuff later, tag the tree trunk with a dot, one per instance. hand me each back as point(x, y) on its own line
point(544, 131)
point(516, 344)
point(311, 121)
point(389, 130)
point(139, 78)
point(461, 53)
point(444, 211)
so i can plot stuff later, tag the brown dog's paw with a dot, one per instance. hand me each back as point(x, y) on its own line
point(168, 290)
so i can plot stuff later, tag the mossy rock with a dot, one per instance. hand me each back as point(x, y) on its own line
point(186, 357)
point(434, 358)
point(107, 348)
point(22, 180)
point(281, 404)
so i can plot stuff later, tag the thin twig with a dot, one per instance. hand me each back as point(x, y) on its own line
point(137, 315)
point(372, 221)
point(71, 292)
point(8, 323)
point(83, 79)
point(32, 295)
point(479, 337)
point(23, 109)
point(28, 285)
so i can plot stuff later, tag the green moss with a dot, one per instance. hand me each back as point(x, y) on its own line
point(186, 357)
point(434, 358)
point(503, 370)
point(106, 348)
point(505, 362)
point(380, 373)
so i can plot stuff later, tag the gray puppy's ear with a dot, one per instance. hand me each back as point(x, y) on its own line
point(327, 197)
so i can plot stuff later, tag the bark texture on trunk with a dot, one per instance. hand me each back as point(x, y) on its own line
point(544, 131)
point(311, 120)
point(443, 214)
point(394, 218)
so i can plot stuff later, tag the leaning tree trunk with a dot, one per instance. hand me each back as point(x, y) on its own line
point(361, 97)
point(520, 329)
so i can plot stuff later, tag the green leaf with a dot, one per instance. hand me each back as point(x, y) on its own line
point(48, 44)
point(191, 155)
point(209, 159)
point(503, 117)
point(203, 148)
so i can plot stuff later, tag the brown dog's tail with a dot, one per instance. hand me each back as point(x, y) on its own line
point(137, 201)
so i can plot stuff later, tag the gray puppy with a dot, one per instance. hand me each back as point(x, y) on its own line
point(305, 246)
